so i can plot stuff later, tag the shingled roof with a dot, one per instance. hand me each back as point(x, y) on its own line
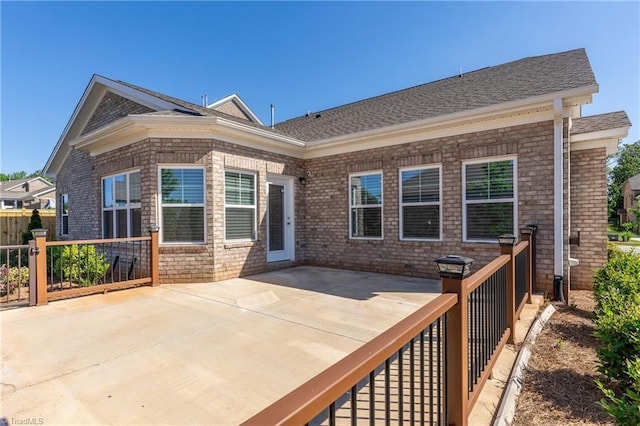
point(189, 108)
point(594, 123)
point(522, 79)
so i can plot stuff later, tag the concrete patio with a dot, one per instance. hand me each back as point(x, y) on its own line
point(192, 353)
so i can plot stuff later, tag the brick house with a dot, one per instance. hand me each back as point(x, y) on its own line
point(27, 193)
point(386, 184)
point(630, 199)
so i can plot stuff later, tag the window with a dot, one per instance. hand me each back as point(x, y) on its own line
point(489, 199)
point(182, 205)
point(420, 203)
point(64, 214)
point(365, 204)
point(121, 216)
point(239, 206)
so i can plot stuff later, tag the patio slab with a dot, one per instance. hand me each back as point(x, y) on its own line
point(192, 353)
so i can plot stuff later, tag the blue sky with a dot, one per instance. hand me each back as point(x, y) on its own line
point(299, 56)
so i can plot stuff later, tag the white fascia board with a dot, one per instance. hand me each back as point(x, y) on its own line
point(610, 144)
point(134, 128)
point(46, 170)
point(52, 166)
point(243, 106)
point(506, 114)
point(137, 95)
point(436, 130)
point(44, 191)
point(618, 132)
point(607, 139)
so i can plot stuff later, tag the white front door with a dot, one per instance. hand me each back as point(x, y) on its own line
point(280, 225)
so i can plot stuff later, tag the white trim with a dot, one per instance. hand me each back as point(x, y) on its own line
point(159, 204)
point(243, 106)
point(513, 200)
point(356, 206)
point(129, 207)
point(63, 215)
point(558, 193)
point(429, 203)
point(134, 128)
point(253, 207)
point(96, 94)
point(289, 252)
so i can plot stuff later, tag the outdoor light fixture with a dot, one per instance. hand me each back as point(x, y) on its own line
point(153, 229)
point(303, 180)
point(528, 229)
point(507, 240)
point(39, 233)
point(452, 266)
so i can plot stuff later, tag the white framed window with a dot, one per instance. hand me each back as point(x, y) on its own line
point(121, 217)
point(420, 208)
point(365, 205)
point(489, 198)
point(182, 210)
point(239, 206)
point(64, 214)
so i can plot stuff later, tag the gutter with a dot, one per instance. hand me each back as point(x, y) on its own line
point(558, 211)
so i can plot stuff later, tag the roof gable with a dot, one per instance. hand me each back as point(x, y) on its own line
point(111, 108)
point(233, 105)
point(513, 81)
point(634, 182)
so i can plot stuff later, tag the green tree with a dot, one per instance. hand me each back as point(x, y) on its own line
point(627, 165)
point(34, 223)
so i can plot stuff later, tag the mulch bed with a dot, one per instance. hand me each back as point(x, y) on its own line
point(559, 387)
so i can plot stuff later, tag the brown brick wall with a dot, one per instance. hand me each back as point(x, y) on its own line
point(588, 214)
point(321, 217)
point(212, 261)
point(327, 229)
point(111, 108)
point(78, 179)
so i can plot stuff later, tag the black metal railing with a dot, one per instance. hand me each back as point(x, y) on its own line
point(487, 322)
point(409, 386)
point(95, 263)
point(521, 277)
point(14, 274)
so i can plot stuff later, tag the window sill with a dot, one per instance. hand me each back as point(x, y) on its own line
point(376, 241)
point(239, 244)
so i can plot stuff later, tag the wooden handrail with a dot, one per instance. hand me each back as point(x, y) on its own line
point(110, 240)
point(306, 402)
point(477, 279)
point(521, 246)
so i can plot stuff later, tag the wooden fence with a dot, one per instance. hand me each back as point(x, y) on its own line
point(14, 222)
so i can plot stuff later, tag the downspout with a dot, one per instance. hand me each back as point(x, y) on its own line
point(558, 210)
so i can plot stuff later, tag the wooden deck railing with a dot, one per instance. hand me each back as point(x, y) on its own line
point(476, 316)
point(60, 269)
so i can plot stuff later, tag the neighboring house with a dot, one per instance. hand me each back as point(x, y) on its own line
point(29, 193)
point(386, 184)
point(630, 199)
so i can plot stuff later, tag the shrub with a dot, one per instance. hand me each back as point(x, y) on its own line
point(617, 326)
point(11, 278)
point(34, 223)
point(625, 409)
point(83, 264)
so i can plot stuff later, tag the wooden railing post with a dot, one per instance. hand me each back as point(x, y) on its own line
point(453, 273)
point(32, 273)
point(507, 248)
point(39, 252)
point(526, 234)
point(154, 256)
point(457, 353)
